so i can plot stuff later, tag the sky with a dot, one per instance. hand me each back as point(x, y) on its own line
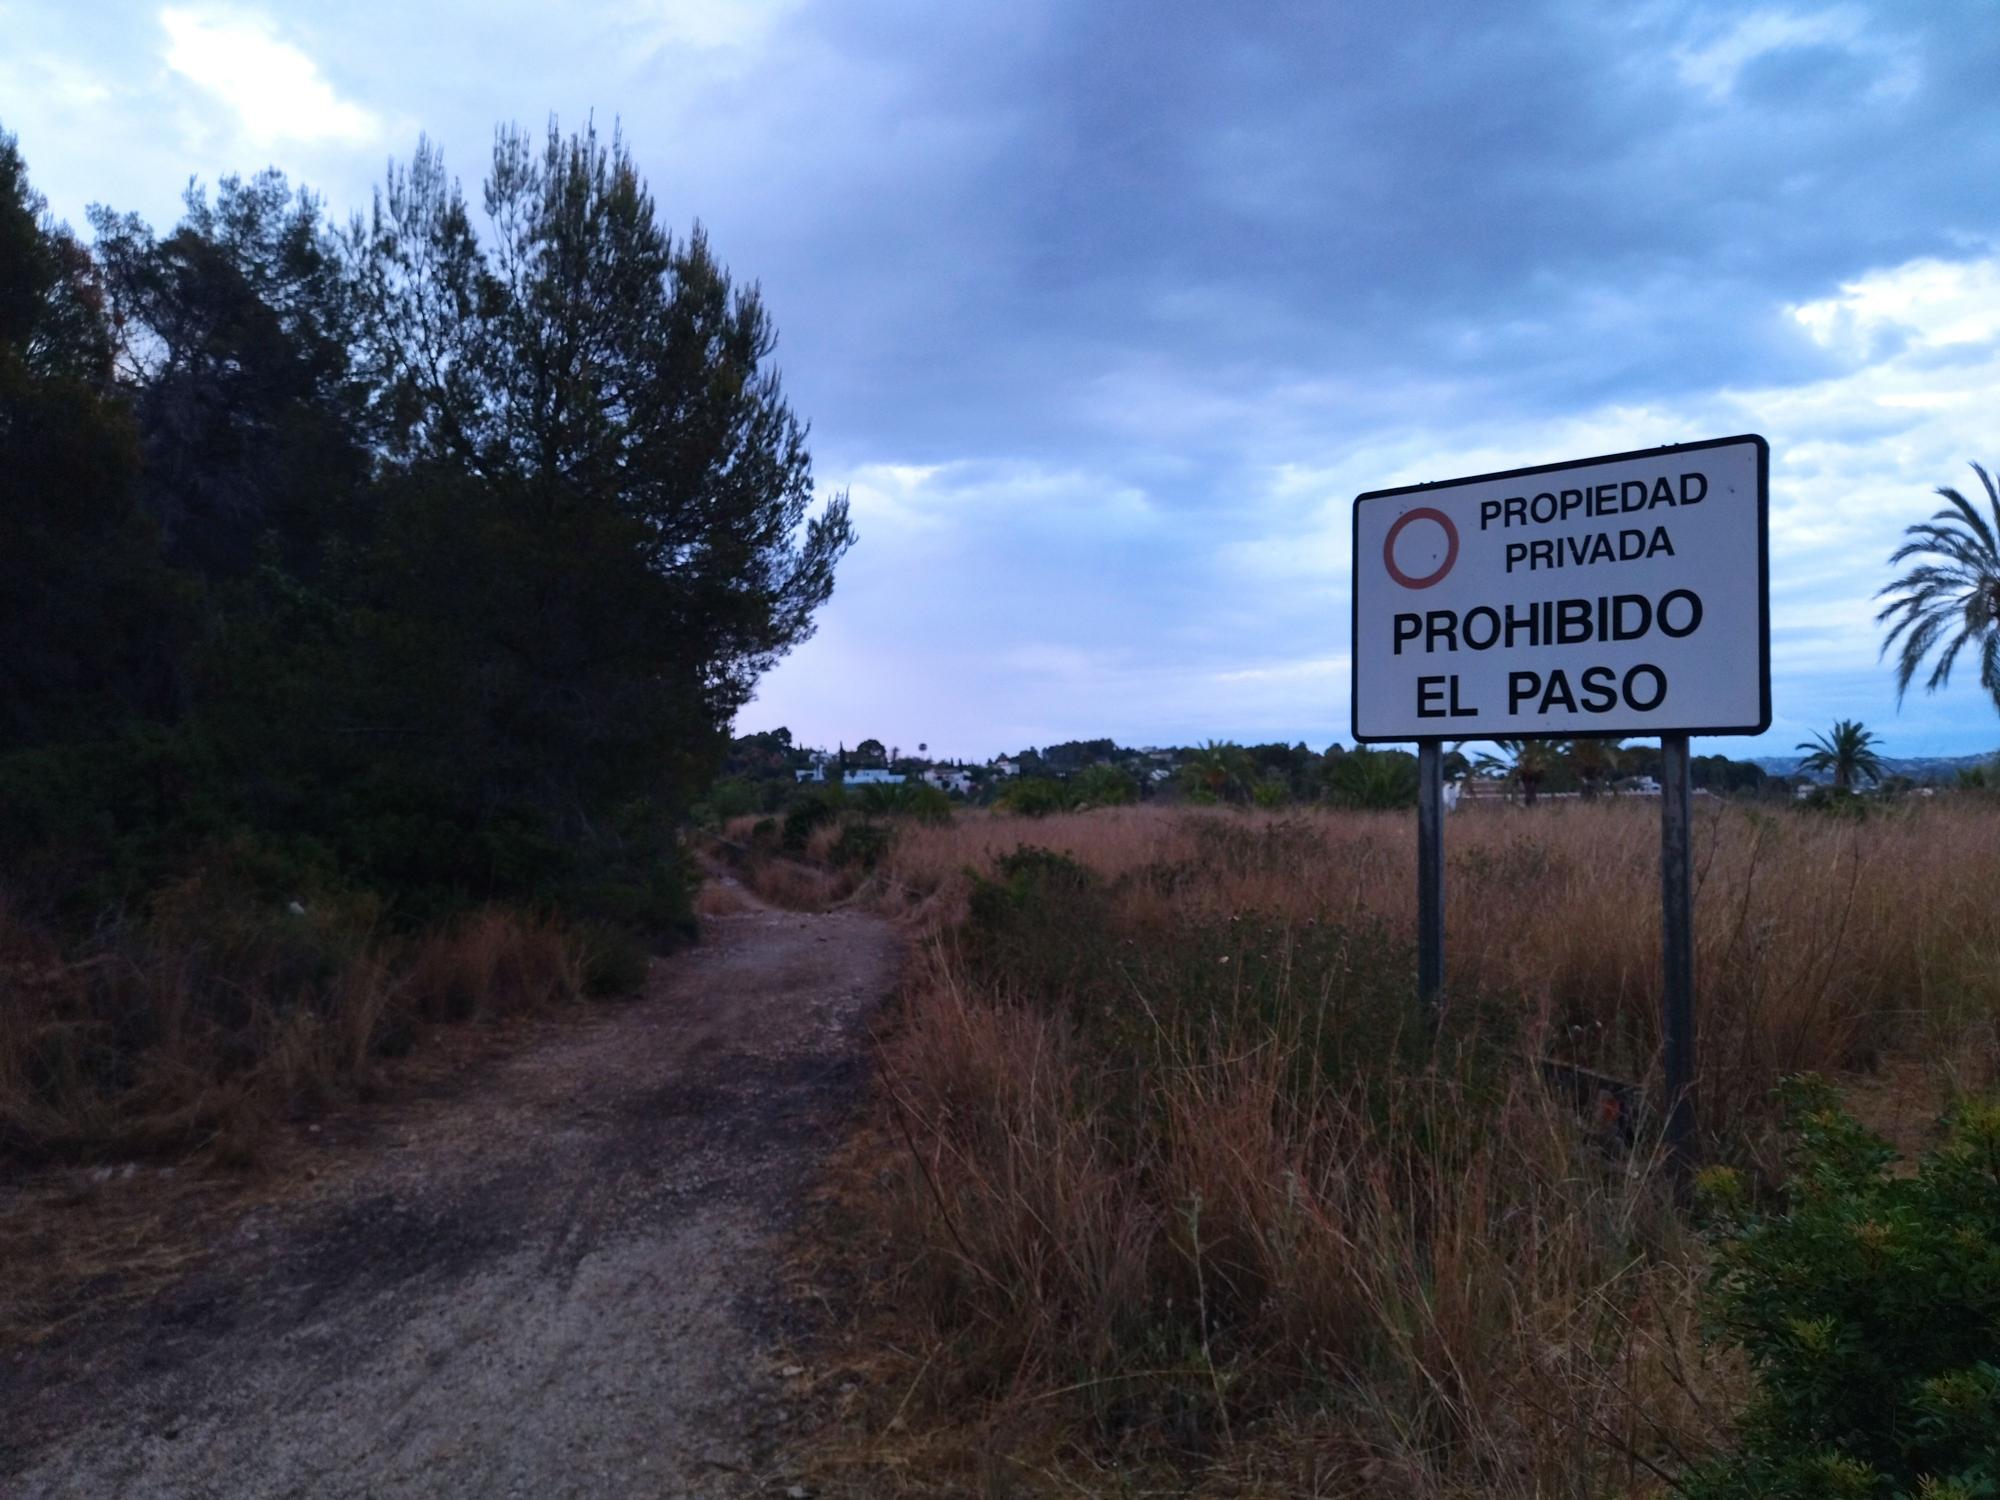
point(1103, 311)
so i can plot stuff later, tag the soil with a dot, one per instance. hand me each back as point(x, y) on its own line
point(561, 1277)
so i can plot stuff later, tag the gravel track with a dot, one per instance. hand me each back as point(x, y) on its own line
point(561, 1280)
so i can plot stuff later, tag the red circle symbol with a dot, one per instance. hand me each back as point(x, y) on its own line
point(1421, 513)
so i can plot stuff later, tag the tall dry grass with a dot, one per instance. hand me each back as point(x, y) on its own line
point(1186, 1184)
point(199, 1026)
point(1821, 942)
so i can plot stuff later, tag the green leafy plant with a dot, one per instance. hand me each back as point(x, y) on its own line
point(862, 845)
point(1869, 1307)
point(1104, 786)
point(1035, 797)
point(1364, 778)
point(803, 821)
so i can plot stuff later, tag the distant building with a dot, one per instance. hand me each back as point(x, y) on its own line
point(873, 776)
point(811, 773)
point(1007, 767)
point(950, 781)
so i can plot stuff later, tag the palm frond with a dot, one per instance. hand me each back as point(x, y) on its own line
point(1970, 512)
point(1951, 598)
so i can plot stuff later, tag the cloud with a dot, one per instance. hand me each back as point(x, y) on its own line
point(1718, 65)
point(709, 25)
point(275, 90)
point(1106, 311)
point(1930, 303)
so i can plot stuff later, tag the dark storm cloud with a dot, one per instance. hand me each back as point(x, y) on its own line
point(1106, 310)
point(1541, 204)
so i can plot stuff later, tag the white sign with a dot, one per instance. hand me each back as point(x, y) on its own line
point(1626, 595)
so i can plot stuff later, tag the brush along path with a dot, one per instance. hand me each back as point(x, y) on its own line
point(562, 1281)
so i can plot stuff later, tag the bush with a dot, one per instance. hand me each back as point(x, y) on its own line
point(862, 844)
point(1869, 1306)
point(614, 960)
point(1831, 801)
point(1104, 786)
point(733, 797)
point(1040, 925)
point(1376, 779)
point(908, 799)
point(803, 821)
point(1340, 1000)
point(1035, 797)
point(927, 804)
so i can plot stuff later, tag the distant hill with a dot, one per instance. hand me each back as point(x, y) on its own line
point(1916, 767)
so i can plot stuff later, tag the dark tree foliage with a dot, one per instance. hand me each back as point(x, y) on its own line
point(78, 589)
point(432, 561)
point(1721, 774)
point(1074, 755)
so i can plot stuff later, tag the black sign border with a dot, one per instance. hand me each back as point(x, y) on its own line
point(1643, 731)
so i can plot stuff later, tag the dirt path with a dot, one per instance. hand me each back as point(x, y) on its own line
point(561, 1281)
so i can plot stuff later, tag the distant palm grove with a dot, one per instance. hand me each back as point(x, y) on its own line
point(395, 559)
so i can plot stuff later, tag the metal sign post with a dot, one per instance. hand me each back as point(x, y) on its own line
point(1430, 871)
point(1613, 596)
point(1677, 945)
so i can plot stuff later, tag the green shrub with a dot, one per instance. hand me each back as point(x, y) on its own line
point(1035, 797)
point(1339, 1001)
point(1104, 786)
point(912, 799)
point(614, 960)
point(1833, 802)
point(1869, 1306)
point(1373, 779)
point(764, 833)
point(803, 821)
point(862, 844)
point(1039, 925)
point(926, 804)
point(731, 797)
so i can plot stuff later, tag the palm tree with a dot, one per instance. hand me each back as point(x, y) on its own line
point(1526, 763)
point(1593, 761)
point(1951, 599)
point(1849, 752)
point(1219, 769)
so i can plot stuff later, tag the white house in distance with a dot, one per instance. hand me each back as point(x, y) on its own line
point(873, 776)
point(1007, 767)
point(811, 773)
point(950, 781)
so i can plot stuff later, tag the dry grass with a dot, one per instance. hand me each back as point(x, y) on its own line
point(722, 898)
point(1149, 1222)
point(1822, 944)
point(805, 881)
point(197, 1028)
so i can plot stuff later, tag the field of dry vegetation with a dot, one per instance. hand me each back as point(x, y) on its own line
point(191, 1026)
point(1172, 1176)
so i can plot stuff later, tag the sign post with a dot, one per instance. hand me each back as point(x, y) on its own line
point(1430, 870)
point(1677, 945)
point(1615, 596)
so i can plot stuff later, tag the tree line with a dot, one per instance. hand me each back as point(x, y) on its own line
point(430, 553)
